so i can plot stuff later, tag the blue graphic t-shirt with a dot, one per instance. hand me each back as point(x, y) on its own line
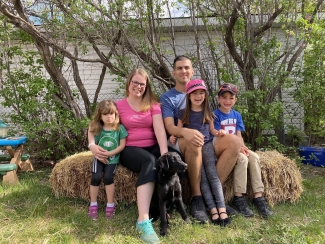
point(229, 122)
point(110, 140)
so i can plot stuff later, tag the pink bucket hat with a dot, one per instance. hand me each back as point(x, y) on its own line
point(195, 85)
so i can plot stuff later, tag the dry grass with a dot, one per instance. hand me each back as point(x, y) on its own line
point(71, 177)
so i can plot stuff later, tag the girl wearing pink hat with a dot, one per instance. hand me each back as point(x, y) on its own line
point(198, 115)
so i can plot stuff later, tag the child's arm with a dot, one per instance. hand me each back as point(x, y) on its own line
point(215, 132)
point(98, 152)
point(118, 149)
point(243, 148)
point(173, 138)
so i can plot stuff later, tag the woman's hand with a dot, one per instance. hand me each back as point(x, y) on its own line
point(99, 153)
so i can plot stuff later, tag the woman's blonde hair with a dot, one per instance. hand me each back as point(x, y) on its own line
point(208, 115)
point(148, 97)
point(104, 107)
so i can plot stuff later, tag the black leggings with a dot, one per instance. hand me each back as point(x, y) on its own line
point(97, 169)
point(142, 161)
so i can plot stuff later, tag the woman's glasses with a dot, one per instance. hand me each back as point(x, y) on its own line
point(136, 83)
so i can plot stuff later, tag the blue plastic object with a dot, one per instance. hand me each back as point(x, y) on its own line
point(313, 155)
point(13, 141)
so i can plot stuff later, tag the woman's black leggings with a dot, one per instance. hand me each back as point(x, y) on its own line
point(142, 161)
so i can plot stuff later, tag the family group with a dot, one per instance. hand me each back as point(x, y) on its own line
point(138, 129)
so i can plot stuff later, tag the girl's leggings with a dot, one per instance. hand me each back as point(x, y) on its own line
point(97, 169)
point(210, 180)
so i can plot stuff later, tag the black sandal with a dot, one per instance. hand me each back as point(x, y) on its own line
point(215, 221)
point(224, 222)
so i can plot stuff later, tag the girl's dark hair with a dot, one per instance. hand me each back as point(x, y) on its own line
point(208, 115)
point(104, 107)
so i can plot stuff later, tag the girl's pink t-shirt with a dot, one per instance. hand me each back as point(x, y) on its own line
point(139, 125)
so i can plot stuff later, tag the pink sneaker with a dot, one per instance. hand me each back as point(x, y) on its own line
point(93, 212)
point(110, 212)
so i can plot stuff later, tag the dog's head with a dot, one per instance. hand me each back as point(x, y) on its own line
point(172, 162)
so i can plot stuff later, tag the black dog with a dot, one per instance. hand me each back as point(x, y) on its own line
point(169, 189)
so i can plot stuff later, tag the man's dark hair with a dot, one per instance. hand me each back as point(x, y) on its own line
point(180, 58)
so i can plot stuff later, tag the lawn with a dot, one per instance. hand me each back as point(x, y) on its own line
point(29, 213)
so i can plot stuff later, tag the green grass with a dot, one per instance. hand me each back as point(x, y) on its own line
point(29, 213)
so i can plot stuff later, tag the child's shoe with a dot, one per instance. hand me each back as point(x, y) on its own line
point(147, 232)
point(224, 222)
point(93, 212)
point(110, 212)
point(241, 205)
point(262, 207)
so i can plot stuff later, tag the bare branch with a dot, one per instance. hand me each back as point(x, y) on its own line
point(269, 23)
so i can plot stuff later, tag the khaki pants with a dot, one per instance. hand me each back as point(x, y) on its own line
point(249, 165)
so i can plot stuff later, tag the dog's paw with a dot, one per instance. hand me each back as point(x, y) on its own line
point(163, 232)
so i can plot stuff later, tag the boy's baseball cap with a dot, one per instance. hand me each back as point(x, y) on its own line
point(195, 85)
point(228, 87)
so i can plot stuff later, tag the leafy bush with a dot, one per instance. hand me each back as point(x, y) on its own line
point(52, 130)
point(311, 86)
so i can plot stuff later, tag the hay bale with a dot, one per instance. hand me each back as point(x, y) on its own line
point(71, 177)
point(280, 175)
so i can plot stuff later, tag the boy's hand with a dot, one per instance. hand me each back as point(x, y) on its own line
point(173, 139)
point(244, 150)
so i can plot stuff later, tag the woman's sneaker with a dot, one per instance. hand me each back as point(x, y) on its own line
point(147, 232)
point(93, 212)
point(110, 212)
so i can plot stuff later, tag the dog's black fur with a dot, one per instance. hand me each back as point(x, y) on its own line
point(169, 189)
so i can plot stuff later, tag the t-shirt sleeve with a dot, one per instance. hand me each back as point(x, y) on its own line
point(155, 109)
point(240, 123)
point(123, 132)
point(166, 107)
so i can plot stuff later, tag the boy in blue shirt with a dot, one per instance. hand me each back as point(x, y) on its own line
point(231, 121)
